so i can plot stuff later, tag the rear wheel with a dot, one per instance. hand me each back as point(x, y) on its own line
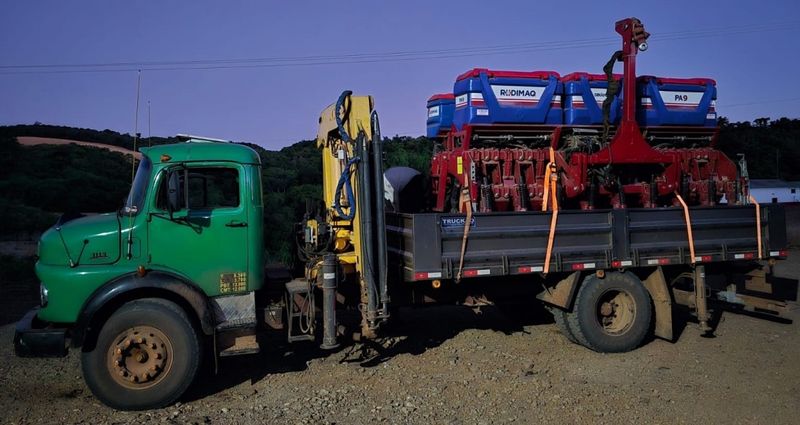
point(146, 356)
point(560, 317)
point(612, 314)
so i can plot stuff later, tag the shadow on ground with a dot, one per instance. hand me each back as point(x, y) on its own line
point(413, 331)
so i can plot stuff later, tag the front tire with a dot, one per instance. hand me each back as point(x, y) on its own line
point(147, 354)
point(611, 315)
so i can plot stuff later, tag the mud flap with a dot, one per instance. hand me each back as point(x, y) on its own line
point(657, 287)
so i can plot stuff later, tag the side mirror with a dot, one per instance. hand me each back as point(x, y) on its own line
point(173, 192)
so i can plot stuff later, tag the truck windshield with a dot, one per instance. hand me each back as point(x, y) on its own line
point(136, 197)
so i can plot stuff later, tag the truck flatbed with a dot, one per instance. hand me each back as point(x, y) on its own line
point(428, 245)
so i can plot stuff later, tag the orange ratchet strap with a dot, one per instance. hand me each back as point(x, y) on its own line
point(758, 225)
point(550, 185)
point(688, 226)
point(466, 200)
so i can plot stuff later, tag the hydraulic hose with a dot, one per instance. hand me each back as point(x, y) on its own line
point(344, 178)
point(612, 91)
point(340, 117)
point(344, 183)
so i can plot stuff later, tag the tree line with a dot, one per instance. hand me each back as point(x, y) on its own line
point(771, 148)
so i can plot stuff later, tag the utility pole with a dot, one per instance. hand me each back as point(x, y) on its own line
point(778, 163)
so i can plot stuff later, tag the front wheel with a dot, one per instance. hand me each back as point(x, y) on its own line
point(146, 356)
point(612, 314)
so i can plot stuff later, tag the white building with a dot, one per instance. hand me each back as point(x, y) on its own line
point(772, 190)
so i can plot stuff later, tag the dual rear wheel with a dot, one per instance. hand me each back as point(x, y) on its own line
point(609, 315)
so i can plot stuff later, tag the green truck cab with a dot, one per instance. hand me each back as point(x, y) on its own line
point(186, 249)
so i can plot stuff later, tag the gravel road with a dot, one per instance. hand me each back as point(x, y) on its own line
point(458, 367)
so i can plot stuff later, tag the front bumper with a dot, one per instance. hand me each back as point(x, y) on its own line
point(34, 339)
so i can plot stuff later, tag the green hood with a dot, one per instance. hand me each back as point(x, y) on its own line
point(92, 240)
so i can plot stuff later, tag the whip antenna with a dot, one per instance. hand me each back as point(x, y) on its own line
point(133, 162)
point(149, 133)
point(136, 125)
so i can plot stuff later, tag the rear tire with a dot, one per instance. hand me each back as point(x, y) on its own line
point(611, 315)
point(147, 354)
point(560, 317)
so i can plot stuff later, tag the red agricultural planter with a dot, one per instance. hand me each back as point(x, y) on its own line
point(621, 162)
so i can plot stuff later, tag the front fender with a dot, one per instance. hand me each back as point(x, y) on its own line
point(159, 284)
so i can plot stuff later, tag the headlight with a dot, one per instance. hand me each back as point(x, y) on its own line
point(43, 295)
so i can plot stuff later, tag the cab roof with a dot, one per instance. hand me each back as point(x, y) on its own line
point(202, 150)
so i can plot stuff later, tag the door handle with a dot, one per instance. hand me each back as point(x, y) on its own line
point(236, 223)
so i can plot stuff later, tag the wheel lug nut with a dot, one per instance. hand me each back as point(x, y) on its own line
point(118, 351)
point(139, 340)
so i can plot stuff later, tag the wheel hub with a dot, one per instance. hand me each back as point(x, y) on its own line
point(140, 358)
point(616, 312)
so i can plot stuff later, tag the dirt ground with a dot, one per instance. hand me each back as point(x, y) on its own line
point(458, 367)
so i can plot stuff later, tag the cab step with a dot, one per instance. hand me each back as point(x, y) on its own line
point(237, 342)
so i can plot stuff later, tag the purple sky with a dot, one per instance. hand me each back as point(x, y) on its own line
point(757, 70)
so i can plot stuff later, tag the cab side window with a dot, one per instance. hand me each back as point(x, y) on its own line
point(208, 188)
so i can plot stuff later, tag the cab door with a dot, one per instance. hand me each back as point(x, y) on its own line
point(204, 236)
